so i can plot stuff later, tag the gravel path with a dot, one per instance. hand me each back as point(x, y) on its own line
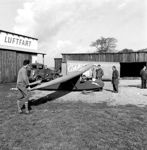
point(129, 93)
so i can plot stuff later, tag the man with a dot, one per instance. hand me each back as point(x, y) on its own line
point(94, 72)
point(115, 79)
point(143, 74)
point(23, 86)
point(99, 72)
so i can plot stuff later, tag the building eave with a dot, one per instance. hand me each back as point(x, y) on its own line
point(19, 34)
point(21, 50)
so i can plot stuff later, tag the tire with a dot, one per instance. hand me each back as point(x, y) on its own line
point(38, 78)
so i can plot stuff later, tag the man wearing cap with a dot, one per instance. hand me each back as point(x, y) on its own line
point(143, 74)
point(99, 72)
point(115, 79)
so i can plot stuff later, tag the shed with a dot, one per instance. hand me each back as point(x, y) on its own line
point(128, 64)
point(58, 64)
point(14, 49)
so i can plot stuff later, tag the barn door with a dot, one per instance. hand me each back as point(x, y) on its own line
point(20, 58)
point(7, 66)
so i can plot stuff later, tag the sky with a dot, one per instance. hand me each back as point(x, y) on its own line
point(70, 26)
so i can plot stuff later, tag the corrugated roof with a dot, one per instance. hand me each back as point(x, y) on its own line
point(139, 51)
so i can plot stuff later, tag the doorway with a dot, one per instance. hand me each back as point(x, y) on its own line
point(131, 69)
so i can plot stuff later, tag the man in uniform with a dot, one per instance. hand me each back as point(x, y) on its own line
point(115, 79)
point(143, 74)
point(99, 72)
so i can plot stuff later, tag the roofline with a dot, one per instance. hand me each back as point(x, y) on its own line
point(41, 53)
point(102, 53)
point(18, 34)
point(58, 58)
point(33, 52)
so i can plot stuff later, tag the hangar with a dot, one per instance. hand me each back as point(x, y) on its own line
point(128, 64)
point(14, 49)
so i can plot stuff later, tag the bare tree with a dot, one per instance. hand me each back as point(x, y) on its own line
point(104, 45)
point(126, 50)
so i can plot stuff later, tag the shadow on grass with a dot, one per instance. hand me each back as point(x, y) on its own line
point(136, 86)
point(49, 97)
point(108, 90)
point(58, 94)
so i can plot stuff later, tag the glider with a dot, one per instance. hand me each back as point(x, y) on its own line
point(72, 82)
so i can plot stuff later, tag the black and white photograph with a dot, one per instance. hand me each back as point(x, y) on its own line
point(73, 74)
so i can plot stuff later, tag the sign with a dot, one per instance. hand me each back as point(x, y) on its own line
point(77, 66)
point(13, 40)
point(106, 66)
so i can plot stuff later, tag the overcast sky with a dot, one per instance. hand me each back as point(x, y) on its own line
point(67, 26)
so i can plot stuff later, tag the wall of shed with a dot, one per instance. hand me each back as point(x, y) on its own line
point(20, 57)
point(128, 64)
point(106, 66)
point(107, 57)
point(58, 64)
point(10, 63)
point(7, 66)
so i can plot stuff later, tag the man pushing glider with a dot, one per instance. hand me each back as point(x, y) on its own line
point(23, 87)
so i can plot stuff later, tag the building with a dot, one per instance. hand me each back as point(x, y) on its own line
point(58, 64)
point(128, 64)
point(14, 49)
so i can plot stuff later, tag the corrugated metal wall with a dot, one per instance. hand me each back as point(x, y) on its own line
point(135, 59)
point(108, 57)
point(20, 57)
point(58, 63)
point(106, 66)
point(10, 63)
point(7, 66)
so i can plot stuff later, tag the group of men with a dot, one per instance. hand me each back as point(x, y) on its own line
point(97, 73)
point(23, 84)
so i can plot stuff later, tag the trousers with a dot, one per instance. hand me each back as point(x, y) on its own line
point(23, 94)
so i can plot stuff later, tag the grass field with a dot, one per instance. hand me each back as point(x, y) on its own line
point(71, 126)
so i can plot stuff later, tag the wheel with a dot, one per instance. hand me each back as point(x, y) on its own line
point(38, 78)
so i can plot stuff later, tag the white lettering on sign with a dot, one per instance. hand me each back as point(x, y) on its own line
point(7, 39)
point(76, 66)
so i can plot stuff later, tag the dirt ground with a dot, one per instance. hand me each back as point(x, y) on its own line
point(76, 120)
point(129, 93)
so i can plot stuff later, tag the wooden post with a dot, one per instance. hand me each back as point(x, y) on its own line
point(43, 58)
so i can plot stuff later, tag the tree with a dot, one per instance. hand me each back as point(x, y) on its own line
point(126, 50)
point(142, 50)
point(104, 45)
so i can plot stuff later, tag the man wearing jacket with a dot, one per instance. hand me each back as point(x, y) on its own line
point(115, 79)
point(23, 86)
point(99, 72)
point(143, 75)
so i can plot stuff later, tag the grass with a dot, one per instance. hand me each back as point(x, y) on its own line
point(71, 126)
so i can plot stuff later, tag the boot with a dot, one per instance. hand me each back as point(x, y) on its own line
point(26, 108)
point(18, 107)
